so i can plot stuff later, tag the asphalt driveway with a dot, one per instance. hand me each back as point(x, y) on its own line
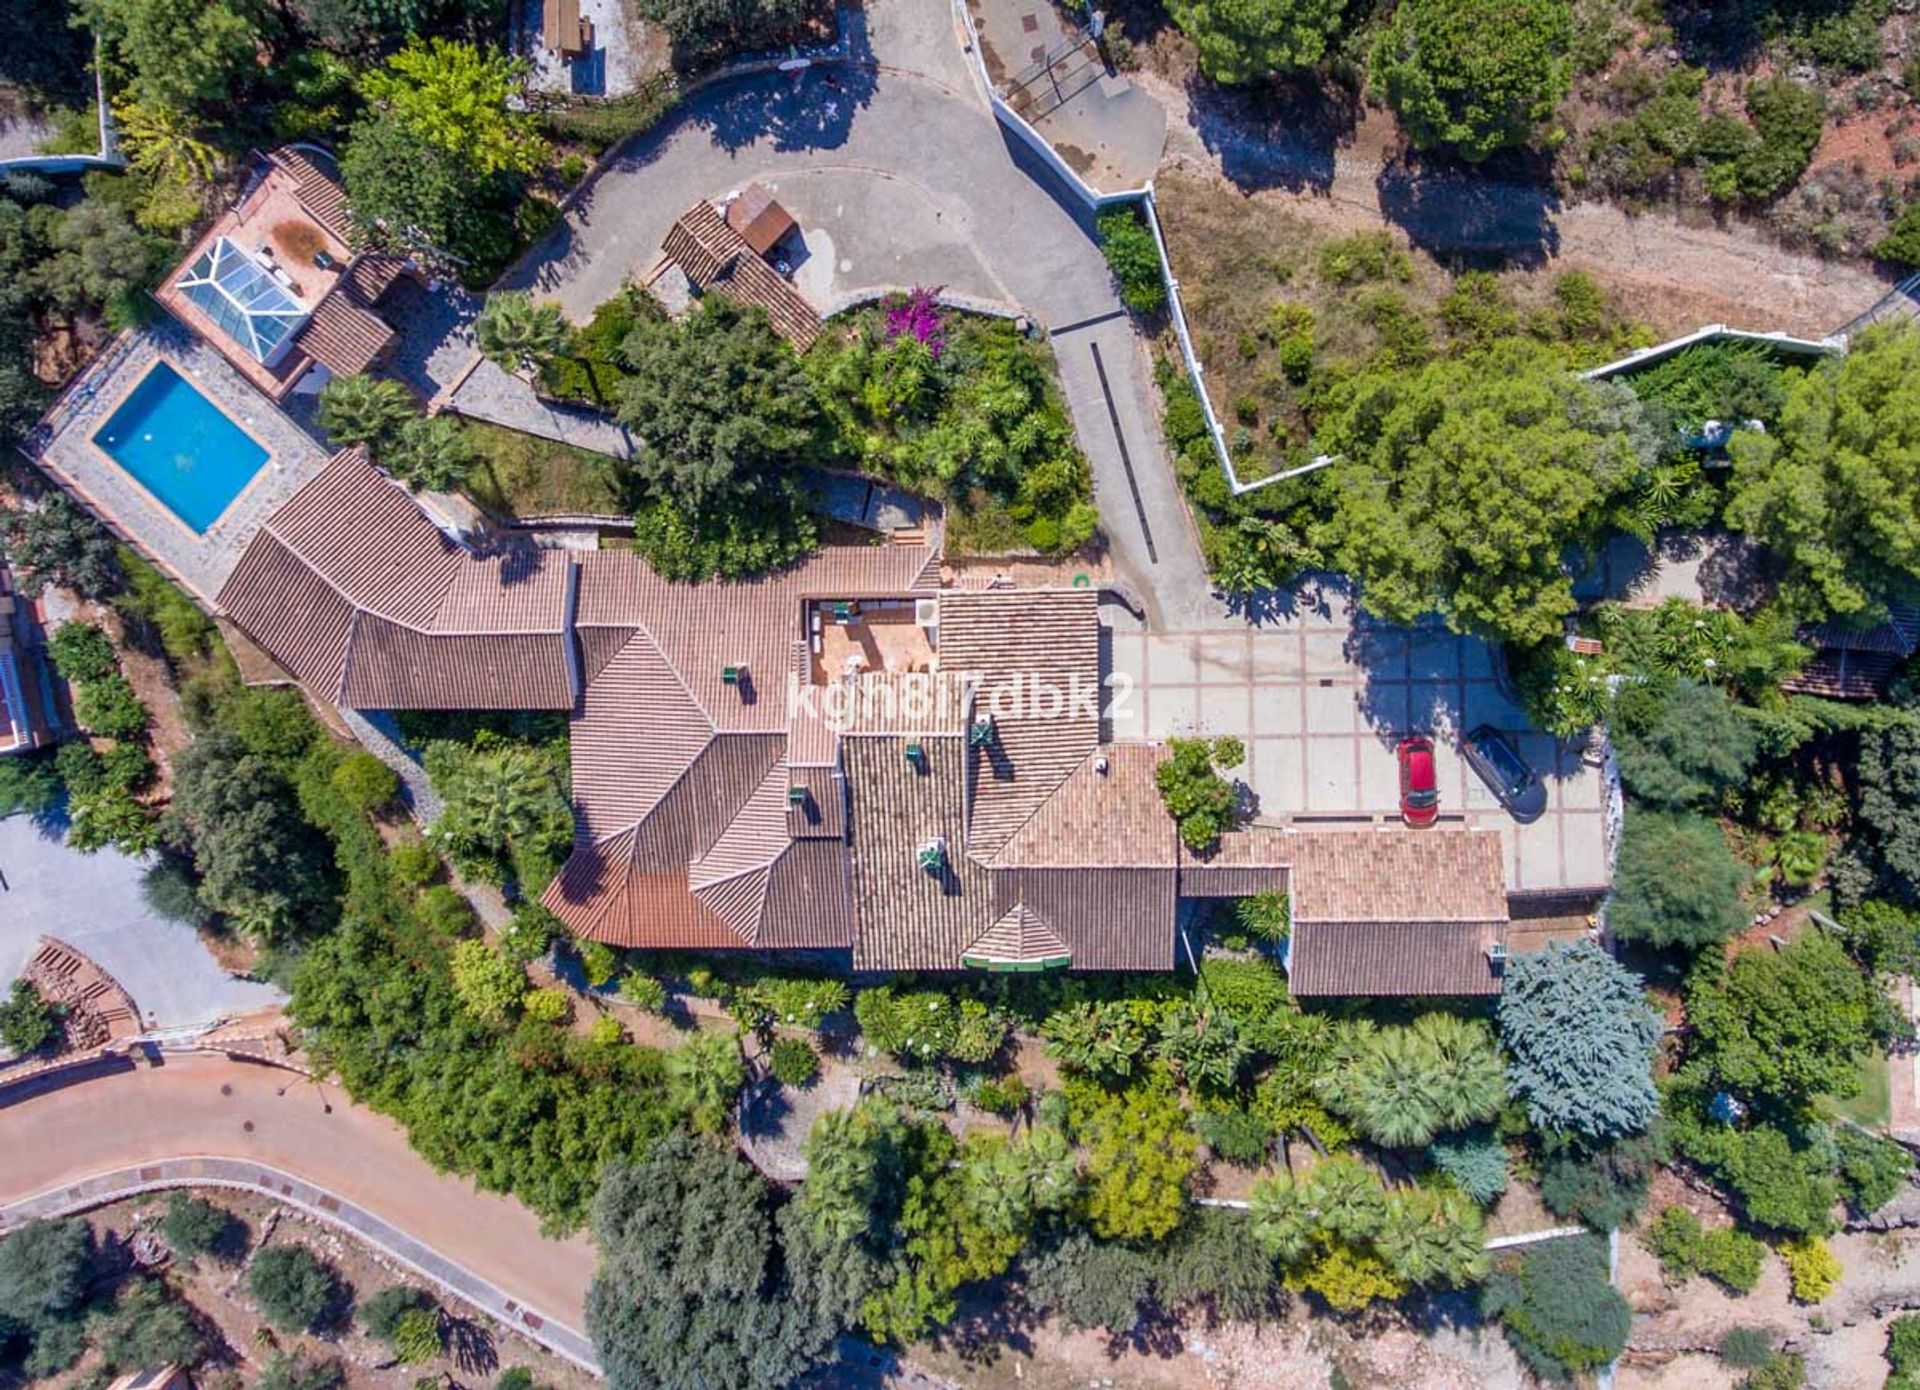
point(92, 902)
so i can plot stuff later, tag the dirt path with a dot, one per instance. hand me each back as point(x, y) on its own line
point(1671, 274)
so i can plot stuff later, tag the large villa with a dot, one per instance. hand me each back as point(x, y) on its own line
point(866, 755)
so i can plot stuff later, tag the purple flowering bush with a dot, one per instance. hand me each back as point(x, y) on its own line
point(917, 314)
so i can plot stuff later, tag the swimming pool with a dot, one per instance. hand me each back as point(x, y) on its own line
point(181, 447)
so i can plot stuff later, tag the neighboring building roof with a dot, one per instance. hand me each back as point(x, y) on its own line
point(1855, 663)
point(1393, 958)
point(28, 712)
point(355, 592)
point(714, 256)
point(276, 284)
point(758, 219)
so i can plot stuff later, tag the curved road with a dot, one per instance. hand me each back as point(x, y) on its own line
point(937, 173)
point(133, 1117)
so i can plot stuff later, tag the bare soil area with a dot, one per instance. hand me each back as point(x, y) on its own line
point(1348, 173)
point(477, 1349)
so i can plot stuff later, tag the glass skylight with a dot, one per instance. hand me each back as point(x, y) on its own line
point(236, 292)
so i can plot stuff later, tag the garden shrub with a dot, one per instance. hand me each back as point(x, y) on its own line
point(293, 1288)
point(365, 781)
point(1727, 1256)
point(415, 863)
point(793, 1062)
point(1872, 1169)
point(1475, 1160)
point(1746, 1348)
point(1000, 1095)
point(643, 991)
point(1127, 242)
point(109, 708)
point(1558, 1307)
point(1236, 1134)
point(29, 1022)
point(1903, 1352)
point(195, 1227)
point(82, 652)
point(1813, 1267)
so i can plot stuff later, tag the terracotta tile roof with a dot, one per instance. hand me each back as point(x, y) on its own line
point(821, 812)
point(716, 257)
point(1110, 919)
point(808, 903)
point(1393, 958)
point(1225, 881)
point(395, 667)
point(904, 702)
point(316, 183)
point(703, 801)
point(701, 243)
point(908, 917)
point(1023, 644)
point(344, 336)
point(1398, 876)
point(372, 274)
point(355, 592)
point(753, 839)
point(1098, 819)
point(1841, 674)
point(1018, 938)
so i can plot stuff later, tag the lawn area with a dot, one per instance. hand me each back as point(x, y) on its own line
point(1871, 1107)
point(522, 475)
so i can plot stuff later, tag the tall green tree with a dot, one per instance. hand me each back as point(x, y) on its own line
point(1404, 1085)
point(703, 30)
point(260, 862)
point(1582, 1035)
point(1677, 883)
point(1681, 743)
point(363, 409)
point(413, 196)
point(178, 55)
point(689, 1293)
point(1245, 40)
point(459, 98)
point(99, 261)
point(704, 1077)
point(1474, 76)
point(1780, 1027)
point(58, 543)
point(1834, 484)
point(717, 403)
point(1461, 484)
point(430, 452)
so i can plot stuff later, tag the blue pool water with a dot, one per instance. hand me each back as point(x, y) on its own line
point(181, 448)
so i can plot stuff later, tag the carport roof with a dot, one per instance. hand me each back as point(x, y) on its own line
point(1393, 958)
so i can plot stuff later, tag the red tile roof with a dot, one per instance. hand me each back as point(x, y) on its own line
point(714, 256)
point(1393, 958)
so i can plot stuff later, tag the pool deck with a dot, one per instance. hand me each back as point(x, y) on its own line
point(64, 447)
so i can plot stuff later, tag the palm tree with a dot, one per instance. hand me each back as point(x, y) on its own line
point(704, 1074)
point(433, 454)
point(520, 335)
point(1349, 1198)
point(364, 410)
point(1284, 1217)
point(1433, 1236)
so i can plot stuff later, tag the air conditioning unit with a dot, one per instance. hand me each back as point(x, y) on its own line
point(926, 612)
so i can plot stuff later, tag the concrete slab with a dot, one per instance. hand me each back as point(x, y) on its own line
point(1332, 709)
point(1171, 660)
point(1333, 775)
point(1433, 656)
point(1325, 654)
point(1225, 709)
point(1222, 657)
point(1279, 710)
point(1277, 656)
point(93, 903)
point(1172, 710)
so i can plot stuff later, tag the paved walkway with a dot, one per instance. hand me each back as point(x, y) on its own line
point(307, 1135)
point(122, 1183)
point(93, 903)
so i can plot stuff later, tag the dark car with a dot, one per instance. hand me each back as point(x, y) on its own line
point(1502, 769)
point(1419, 790)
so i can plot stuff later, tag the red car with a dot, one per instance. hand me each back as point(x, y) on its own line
point(1419, 792)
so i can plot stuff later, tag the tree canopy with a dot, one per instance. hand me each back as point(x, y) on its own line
point(1460, 485)
point(1677, 883)
point(1834, 485)
point(1474, 76)
point(1404, 1085)
point(1781, 1027)
point(688, 1293)
point(177, 55)
point(1582, 1035)
point(456, 97)
point(1681, 743)
point(718, 404)
point(1244, 40)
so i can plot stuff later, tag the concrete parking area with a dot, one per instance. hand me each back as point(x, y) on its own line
point(93, 903)
point(1322, 696)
